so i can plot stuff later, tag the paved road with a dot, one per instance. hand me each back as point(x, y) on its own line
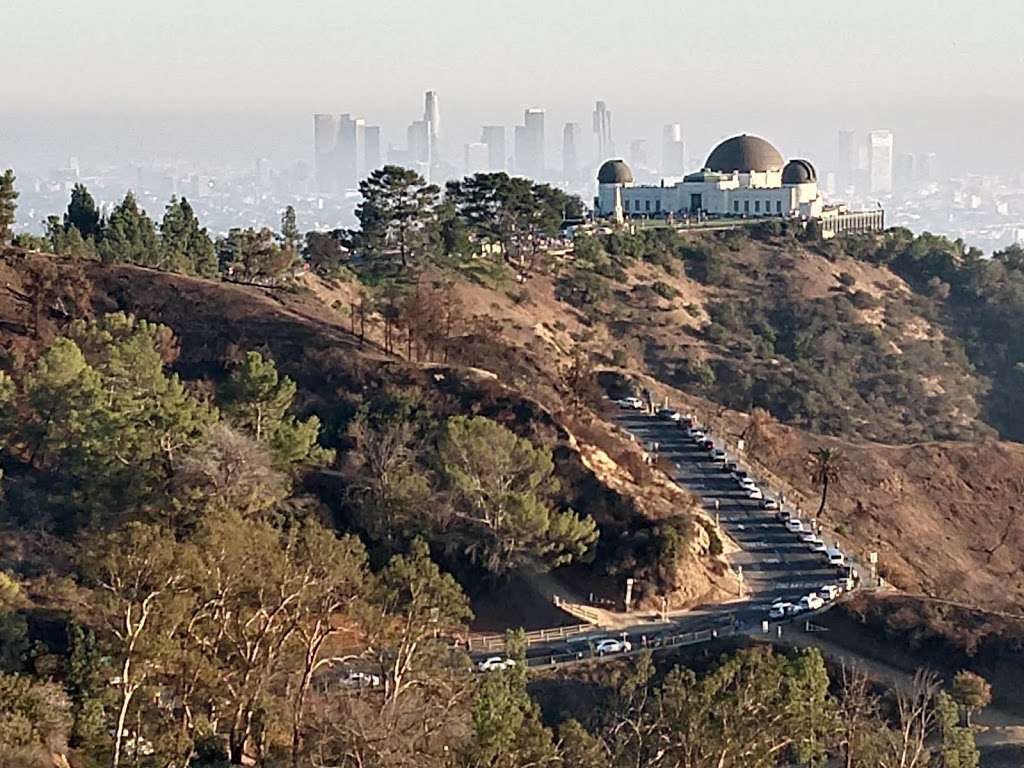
point(775, 563)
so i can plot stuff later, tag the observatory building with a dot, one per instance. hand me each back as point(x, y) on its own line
point(744, 176)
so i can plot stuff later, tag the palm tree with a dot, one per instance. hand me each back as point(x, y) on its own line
point(826, 471)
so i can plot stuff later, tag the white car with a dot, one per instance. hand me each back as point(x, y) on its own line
point(612, 646)
point(495, 663)
point(754, 493)
point(695, 434)
point(746, 482)
point(829, 592)
point(819, 547)
point(718, 455)
point(795, 525)
point(811, 602)
point(810, 538)
point(356, 679)
point(780, 610)
point(835, 558)
point(633, 403)
point(769, 503)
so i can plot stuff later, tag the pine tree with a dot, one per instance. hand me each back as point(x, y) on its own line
point(290, 234)
point(184, 245)
point(398, 215)
point(130, 236)
point(82, 214)
point(257, 400)
point(7, 205)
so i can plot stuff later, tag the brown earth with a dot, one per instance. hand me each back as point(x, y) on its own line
point(303, 327)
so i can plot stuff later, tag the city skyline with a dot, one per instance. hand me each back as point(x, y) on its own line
point(927, 76)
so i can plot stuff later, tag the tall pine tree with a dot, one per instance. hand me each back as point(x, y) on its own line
point(184, 245)
point(130, 236)
point(82, 214)
point(8, 195)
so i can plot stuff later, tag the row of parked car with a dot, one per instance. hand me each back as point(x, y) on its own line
point(812, 601)
point(601, 647)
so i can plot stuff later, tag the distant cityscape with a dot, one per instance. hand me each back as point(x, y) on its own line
point(867, 168)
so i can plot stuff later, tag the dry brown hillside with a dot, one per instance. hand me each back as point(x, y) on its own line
point(601, 472)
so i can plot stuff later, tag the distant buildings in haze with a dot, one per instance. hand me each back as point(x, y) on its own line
point(603, 131)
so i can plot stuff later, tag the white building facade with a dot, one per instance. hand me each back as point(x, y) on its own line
point(744, 176)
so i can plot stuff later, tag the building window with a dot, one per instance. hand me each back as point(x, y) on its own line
point(746, 206)
point(647, 205)
point(657, 206)
point(757, 206)
point(778, 206)
point(735, 206)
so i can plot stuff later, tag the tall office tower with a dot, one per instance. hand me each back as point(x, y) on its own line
point(418, 140)
point(571, 137)
point(673, 150)
point(846, 158)
point(325, 151)
point(638, 153)
point(494, 137)
point(432, 114)
point(371, 142)
point(477, 158)
point(903, 172)
point(880, 158)
point(603, 131)
point(351, 150)
point(531, 163)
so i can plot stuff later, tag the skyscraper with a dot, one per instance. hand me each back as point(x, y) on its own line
point(351, 150)
point(371, 136)
point(325, 152)
point(846, 158)
point(418, 139)
point(603, 131)
point(571, 137)
point(432, 114)
point(529, 142)
point(494, 137)
point(673, 150)
point(880, 158)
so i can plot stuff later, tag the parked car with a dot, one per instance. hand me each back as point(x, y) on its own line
point(780, 609)
point(782, 516)
point(356, 679)
point(739, 474)
point(612, 645)
point(795, 525)
point(811, 602)
point(769, 503)
point(707, 445)
point(829, 592)
point(669, 414)
point(819, 547)
point(755, 493)
point(718, 455)
point(746, 483)
point(835, 558)
point(732, 466)
point(810, 538)
point(632, 403)
point(495, 663)
point(695, 434)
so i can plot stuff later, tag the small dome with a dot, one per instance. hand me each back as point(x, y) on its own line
point(799, 172)
point(744, 154)
point(615, 172)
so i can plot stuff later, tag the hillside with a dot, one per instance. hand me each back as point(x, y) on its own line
point(639, 514)
point(838, 348)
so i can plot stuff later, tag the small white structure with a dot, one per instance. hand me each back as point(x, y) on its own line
point(744, 176)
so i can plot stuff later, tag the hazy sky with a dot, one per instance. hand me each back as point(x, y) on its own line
point(242, 77)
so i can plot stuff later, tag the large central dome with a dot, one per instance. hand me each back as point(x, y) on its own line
point(744, 154)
